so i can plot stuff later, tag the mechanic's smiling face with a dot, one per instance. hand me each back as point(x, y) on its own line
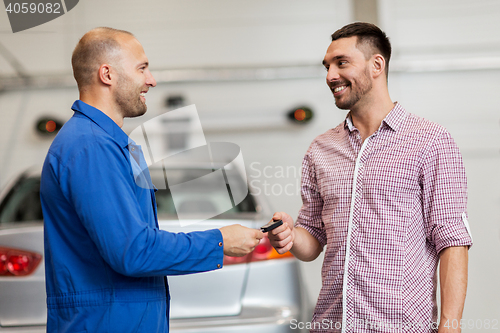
point(134, 78)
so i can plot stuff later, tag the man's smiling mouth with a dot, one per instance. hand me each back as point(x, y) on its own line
point(339, 89)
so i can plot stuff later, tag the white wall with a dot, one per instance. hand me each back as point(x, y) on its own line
point(185, 33)
point(20, 146)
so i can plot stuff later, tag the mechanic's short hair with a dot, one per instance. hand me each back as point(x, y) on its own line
point(98, 46)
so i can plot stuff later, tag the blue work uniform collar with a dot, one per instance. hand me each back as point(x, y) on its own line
point(103, 121)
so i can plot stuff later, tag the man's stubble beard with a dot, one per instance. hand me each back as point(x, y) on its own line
point(363, 84)
point(128, 98)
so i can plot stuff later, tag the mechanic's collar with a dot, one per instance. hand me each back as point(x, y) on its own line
point(103, 121)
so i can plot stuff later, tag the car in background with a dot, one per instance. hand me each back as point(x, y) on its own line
point(260, 292)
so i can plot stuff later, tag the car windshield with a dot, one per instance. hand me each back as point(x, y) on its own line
point(203, 197)
point(22, 202)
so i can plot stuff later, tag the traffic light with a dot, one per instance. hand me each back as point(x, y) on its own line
point(48, 126)
point(301, 115)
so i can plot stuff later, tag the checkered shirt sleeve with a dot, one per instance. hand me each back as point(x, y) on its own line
point(310, 215)
point(444, 194)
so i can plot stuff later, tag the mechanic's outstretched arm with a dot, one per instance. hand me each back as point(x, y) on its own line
point(453, 283)
point(239, 240)
point(299, 241)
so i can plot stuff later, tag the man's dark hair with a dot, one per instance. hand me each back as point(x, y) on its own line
point(368, 35)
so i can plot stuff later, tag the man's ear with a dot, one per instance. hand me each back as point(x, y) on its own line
point(105, 74)
point(378, 62)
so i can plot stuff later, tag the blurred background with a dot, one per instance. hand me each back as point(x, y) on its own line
point(248, 65)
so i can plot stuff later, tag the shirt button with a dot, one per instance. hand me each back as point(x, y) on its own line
point(220, 244)
point(218, 266)
point(132, 149)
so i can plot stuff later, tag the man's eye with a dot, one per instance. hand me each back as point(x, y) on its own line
point(341, 63)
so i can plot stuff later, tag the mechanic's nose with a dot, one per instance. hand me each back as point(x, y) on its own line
point(150, 80)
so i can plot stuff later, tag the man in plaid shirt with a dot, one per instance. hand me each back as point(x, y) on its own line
point(386, 193)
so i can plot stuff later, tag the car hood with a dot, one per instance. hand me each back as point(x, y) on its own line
point(210, 294)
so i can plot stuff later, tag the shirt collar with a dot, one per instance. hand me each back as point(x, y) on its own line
point(396, 117)
point(393, 120)
point(103, 121)
point(348, 123)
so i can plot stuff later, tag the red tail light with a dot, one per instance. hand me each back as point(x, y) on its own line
point(14, 262)
point(263, 251)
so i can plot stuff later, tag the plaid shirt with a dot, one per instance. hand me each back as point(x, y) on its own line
point(384, 208)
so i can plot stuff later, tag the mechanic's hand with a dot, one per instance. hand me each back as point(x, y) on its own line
point(240, 240)
point(283, 236)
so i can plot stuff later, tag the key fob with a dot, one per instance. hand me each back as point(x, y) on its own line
point(271, 225)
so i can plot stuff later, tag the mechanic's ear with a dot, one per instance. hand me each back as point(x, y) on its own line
point(105, 75)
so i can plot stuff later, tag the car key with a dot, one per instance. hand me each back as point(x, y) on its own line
point(271, 225)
